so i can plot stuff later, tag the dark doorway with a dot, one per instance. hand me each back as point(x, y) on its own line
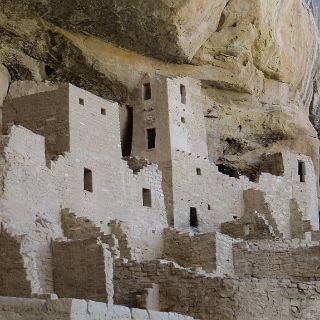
point(147, 91)
point(151, 136)
point(87, 180)
point(193, 218)
point(146, 197)
point(127, 132)
point(183, 94)
point(301, 171)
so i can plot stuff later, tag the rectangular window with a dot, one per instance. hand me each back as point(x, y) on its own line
point(302, 171)
point(183, 94)
point(87, 180)
point(81, 101)
point(193, 218)
point(151, 138)
point(198, 171)
point(103, 111)
point(147, 91)
point(146, 197)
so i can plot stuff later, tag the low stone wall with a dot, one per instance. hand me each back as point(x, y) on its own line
point(72, 309)
point(191, 250)
point(215, 298)
point(13, 273)
point(82, 269)
point(295, 260)
point(257, 222)
point(210, 251)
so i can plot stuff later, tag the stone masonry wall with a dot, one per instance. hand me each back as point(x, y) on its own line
point(43, 113)
point(72, 309)
point(82, 269)
point(189, 250)
point(189, 177)
point(13, 272)
point(298, 260)
point(30, 199)
point(34, 190)
point(208, 193)
point(215, 298)
point(257, 221)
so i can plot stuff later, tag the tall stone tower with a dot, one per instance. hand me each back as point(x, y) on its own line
point(167, 121)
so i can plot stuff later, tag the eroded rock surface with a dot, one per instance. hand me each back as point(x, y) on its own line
point(257, 61)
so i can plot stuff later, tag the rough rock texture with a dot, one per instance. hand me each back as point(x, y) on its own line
point(257, 61)
point(4, 83)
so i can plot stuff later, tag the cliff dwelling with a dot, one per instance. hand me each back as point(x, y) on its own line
point(160, 170)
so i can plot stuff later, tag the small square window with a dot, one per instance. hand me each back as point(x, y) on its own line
point(103, 111)
point(81, 101)
point(198, 171)
point(146, 197)
point(183, 119)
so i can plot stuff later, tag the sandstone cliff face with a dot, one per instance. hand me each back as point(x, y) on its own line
point(257, 61)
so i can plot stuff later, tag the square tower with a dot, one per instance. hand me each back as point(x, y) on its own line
point(168, 124)
point(168, 116)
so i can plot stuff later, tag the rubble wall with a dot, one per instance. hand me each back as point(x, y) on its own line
point(297, 260)
point(73, 309)
point(215, 298)
point(81, 270)
point(13, 271)
point(189, 250)
point(44, 113)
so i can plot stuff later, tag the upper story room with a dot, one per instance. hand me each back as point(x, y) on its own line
point(167, 116)
point(71, 120)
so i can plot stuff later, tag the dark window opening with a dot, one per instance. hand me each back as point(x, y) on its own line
point(81, 101)
point(198, 171)
point(147, 91)
point(127, 131)
point(301, 171)
point(151, 136)
point(228, 171)
point(235, 217)
point(209, 207)
point(146, 197)
point(87, 180)
point(183, 94)
point(48, 70)
point(103, 111)
point(183, 119)
point(193, 218)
